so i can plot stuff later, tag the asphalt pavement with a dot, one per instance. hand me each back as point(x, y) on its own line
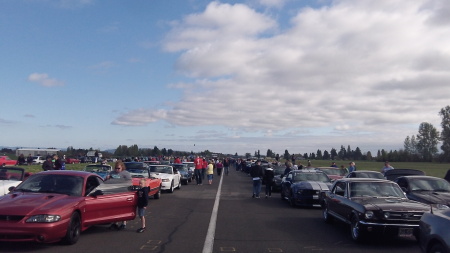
point(202, 219)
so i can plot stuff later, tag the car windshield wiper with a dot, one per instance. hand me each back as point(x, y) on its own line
point(22, 190)
point(441, 190)
point(49, 191)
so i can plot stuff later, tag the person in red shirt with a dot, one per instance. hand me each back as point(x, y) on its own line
point(205, 165)
point(198, 170)
point(177, 160)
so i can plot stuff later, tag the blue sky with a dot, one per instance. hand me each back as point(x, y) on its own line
point(224, 76)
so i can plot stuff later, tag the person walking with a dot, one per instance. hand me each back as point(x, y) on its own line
point(256, 172)
point(268, 180)
point(210, 172)
point(219, 167)
point(198, 162)
point(226, 166)
point(204, 167)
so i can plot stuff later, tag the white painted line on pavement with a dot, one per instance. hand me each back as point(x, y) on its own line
point(209, 240)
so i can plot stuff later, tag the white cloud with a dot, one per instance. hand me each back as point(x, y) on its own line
point(44, 80)
point(355, 67)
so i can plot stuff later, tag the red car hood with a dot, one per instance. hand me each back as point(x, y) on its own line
point(34, 203)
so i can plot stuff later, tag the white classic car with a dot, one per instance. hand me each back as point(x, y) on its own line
point(170, 177)
point(11, 177)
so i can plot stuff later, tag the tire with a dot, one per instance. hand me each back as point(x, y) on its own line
point(355, 230)
point(291, 200)
point(437, 248)
point(325, 214)
point(171, 188)
point(179, 184)
point(282, 194)
point(158, 194)
point(73, 230)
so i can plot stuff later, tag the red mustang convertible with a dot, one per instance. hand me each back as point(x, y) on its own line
point(58, 205)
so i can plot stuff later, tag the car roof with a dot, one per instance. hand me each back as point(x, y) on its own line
point(78, 173)
point(420, 176)
point(306, 171)
point(357, 179)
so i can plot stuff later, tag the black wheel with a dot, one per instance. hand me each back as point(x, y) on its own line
point(437, 248)
point(73, 230)
point(179, 184)
point(355, 229)
point(171, 187)
point(325, 214)
point(158, 194)
point(292, 200)
point(282, 194)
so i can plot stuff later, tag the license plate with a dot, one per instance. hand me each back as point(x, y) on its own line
point(405, 232)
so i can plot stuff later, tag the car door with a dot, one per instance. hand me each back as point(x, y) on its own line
point(337, 198)
point(114, 203)
point(287, 183)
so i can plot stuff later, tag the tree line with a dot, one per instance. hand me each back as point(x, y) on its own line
point(422, 147)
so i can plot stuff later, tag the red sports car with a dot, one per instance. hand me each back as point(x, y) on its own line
point(72, 160)
point(5, 160)
point(58, 205)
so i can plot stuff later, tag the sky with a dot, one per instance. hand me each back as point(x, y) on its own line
point(224, 76)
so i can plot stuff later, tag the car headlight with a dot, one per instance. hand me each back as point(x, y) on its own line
point(166, 180)
point(368, 215)
point(43, 218)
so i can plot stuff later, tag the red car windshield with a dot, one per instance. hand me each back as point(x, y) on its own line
point(49, 183)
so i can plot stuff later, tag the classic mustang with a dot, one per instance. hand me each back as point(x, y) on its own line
point(139, 170)
point(54, 205)
point(11, 176)
point(333, 172)
point(372, 205)
point(304, 187)
point(365, 174)
point(426, 189)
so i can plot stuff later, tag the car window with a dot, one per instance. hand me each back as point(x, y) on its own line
point(429, 184)
point(49, 183)
point(340, 188)
point(375, 189)
point(91, 183)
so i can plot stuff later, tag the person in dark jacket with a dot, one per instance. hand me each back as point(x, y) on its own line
point(142, 202)
point(268, 180)
point(58, 163)
point(48, 164)
point(256, 172)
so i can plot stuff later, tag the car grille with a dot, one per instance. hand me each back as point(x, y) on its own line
point(403, 216)
point(309, 192)
point(11, 217)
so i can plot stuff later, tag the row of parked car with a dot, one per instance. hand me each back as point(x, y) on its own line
point(77, 199)
point(400, 203)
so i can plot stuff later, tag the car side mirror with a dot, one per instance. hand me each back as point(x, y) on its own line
point(11, 188)
point(96, 193)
